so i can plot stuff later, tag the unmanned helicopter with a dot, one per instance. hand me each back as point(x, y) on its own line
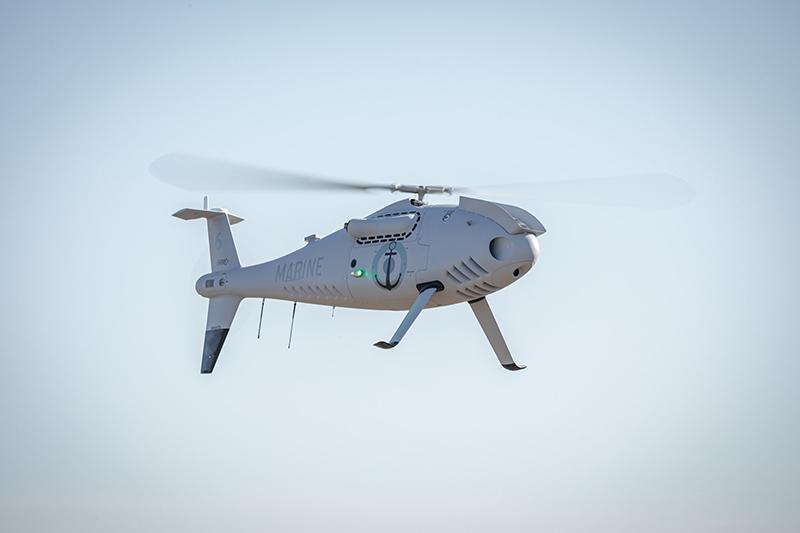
point(406, 256)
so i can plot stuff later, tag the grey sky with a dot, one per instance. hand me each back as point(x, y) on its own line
point(661, 346)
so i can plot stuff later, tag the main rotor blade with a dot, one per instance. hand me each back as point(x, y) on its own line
point(660, 191)
point(197, 173)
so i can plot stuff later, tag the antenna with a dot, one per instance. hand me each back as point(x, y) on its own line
point(260, 317)
point(205, 203)
point(291, 328)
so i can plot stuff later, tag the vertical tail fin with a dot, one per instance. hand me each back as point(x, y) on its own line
point(221, 309)
point(220, 238)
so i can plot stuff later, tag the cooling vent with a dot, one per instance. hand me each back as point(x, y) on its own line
point(373, 239)
point(467, 274)
point(320, 292)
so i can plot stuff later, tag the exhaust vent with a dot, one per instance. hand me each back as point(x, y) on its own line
point(389, 237)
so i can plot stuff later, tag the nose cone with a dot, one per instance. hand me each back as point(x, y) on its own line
point(517, 253)
point(533, 245)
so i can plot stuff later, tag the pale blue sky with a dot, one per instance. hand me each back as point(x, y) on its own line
point(661, 389)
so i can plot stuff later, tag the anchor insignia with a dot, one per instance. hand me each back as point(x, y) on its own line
point(390, 258)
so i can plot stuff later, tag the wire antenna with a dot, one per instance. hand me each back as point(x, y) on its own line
point(291, 328)
point(260, 318)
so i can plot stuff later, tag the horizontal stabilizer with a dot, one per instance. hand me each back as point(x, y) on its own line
point(189, 213)
point(220, 239)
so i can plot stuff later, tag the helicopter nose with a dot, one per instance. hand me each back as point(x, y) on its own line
point(526, 249)
point(533, 244)
point(518, 254)
point(515, 248)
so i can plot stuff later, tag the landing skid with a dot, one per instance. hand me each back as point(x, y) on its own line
point(416, 308)
point(489, 325)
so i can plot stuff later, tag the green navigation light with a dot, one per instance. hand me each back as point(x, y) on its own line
point(358, 273)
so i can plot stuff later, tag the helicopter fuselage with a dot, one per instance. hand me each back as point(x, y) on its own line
point(466, 251)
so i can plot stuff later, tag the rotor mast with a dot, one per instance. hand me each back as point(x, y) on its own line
point(422, 190)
